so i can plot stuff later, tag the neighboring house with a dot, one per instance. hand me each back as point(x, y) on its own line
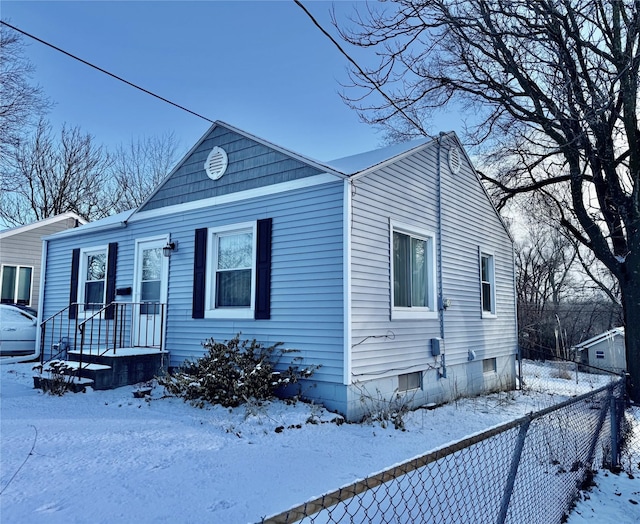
point(21, 254)
point(605, 351)
point(391, 269)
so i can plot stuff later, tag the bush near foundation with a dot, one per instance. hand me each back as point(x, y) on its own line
point(234, 372)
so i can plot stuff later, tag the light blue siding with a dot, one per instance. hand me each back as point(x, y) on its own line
point(309, 264)
point(306, 283)
point(403, 192)
point(306, 278)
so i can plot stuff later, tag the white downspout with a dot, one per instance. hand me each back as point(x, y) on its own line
point(346, 220)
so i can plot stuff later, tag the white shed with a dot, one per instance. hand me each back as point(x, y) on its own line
point(605, 351)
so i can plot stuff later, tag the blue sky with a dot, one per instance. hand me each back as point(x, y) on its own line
point(261, 66)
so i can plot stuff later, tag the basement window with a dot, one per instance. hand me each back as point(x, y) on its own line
point(409, 381)
point(489, 365)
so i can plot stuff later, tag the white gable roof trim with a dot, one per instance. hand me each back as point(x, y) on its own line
point(259, 192)
point(345, 168)
point(611, 334)
point(40, 223)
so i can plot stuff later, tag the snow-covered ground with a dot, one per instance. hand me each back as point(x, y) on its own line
point(105, 456)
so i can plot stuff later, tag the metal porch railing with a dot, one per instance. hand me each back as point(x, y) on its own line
point(103, 329)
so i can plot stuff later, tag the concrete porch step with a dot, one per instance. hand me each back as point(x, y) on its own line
point(126, 367)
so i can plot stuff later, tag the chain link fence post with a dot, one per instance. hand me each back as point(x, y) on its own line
point(515, 462)
point(615, 429)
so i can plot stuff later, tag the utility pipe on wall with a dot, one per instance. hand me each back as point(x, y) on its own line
point(440, 306)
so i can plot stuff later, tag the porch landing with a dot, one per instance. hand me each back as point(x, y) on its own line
point(128, 366)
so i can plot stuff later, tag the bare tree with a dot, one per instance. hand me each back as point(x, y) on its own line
point(21, 103)
point(46, 177)
point(558, 306)
point(544, 262)
point(555, 84)
point(140, 166)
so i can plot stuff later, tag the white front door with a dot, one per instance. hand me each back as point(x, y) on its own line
point(149, 292)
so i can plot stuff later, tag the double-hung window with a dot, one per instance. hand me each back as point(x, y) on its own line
point(231, 274)
point(16, 285)
point(93, 275)
point(487, 284)
point(413, 286)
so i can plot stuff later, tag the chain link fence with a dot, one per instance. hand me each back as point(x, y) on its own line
point(527, 470)
point(561, 377)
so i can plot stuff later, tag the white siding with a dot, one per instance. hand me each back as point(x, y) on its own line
point(407, 192)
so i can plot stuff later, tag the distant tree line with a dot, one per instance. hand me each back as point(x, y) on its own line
point(565, 296)
point(45, 172)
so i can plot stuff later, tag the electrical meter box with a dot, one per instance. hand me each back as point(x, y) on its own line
point(437, 346)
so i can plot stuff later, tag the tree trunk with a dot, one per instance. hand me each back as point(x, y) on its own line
point(631, 301)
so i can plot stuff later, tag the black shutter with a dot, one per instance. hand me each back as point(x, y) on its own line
point(73, 286)
point(199, 273)
point(110, 295)
point(263, 270)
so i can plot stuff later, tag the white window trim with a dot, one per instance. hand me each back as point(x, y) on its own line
point(82, 277)
point(227, 312)
point(412, 313)
point(486, 253)
point(17, 281)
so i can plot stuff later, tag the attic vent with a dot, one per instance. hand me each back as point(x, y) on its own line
point(454, 160)
point(216, 163)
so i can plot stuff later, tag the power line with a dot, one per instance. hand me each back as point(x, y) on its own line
point(105, 71)
point(362, 71)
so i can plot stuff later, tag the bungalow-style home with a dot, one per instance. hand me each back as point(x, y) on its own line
point(390, 269)
point(605, 351)
point(21, 255)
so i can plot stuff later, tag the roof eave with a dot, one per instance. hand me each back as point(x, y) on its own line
point(41, 223)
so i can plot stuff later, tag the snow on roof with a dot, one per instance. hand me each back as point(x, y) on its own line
point(619, 331)
point(40, 223)
point(353, 164)
point(349, 165)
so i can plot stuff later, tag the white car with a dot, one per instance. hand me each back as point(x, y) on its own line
point(18, 325)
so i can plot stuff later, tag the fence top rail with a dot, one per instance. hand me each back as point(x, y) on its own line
point(346, 492)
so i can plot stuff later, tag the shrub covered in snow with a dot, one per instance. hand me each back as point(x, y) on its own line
point(234, 372)
point(58, 378)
